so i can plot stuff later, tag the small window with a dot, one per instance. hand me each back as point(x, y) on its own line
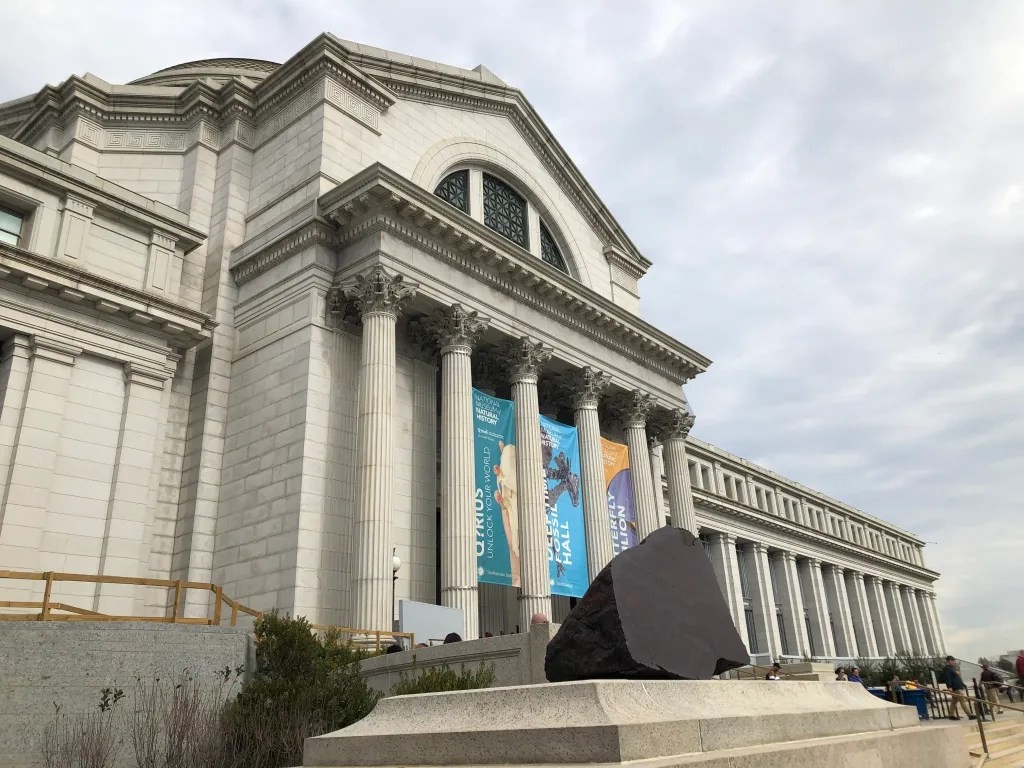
point(11, 225)
point(505, 211)
point(454, 190)
point(549, 252)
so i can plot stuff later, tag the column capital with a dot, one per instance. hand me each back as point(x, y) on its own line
point(57, 351)
point(585, 387)
point(672, 425)
point(146, 377)
point(523, 359)
point(453, 329)
point(633, 408)
point(376, 291)
point(857, 575)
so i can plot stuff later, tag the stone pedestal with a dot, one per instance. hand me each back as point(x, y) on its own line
point(670, 723)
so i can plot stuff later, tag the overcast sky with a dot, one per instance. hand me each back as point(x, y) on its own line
point(832, 195)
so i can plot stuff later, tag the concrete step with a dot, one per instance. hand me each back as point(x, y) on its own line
point(1007, 758)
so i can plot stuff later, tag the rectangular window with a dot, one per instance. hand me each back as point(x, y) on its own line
point(751, 630)
point(742, 562)
point(705, 475)
point(694, 474)
point(784, 641)
point(11, 225)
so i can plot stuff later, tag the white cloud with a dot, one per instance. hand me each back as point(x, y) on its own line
point(830, 193)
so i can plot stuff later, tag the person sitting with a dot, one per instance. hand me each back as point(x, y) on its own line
point(774, 672)
point(854, 676)
point(539, 618)
point(840, 675)
point(452, 637)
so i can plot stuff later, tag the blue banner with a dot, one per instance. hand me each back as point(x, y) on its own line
point(497, 508)
point(567, 546)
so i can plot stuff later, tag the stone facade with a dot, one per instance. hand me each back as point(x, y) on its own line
point(236, 350)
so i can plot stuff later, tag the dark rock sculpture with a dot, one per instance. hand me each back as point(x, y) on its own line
point(655, 612)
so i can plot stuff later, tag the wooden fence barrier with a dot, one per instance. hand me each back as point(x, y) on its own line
point(47, 606)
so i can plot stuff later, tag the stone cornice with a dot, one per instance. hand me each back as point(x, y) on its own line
point(379, 199)
point(710, 453)
point(249, 263)
point(817, 538)
point(58, 176)
point(77, 287)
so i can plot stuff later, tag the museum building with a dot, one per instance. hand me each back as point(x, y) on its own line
point(244, 307)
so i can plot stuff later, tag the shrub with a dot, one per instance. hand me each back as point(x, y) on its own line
point(304, 685)
point(443, 678)
point(83, 740)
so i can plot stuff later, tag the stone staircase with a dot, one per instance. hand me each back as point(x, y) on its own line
point(1005, 739)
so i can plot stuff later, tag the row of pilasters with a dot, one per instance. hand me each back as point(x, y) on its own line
point(454, 331)
point(824, 611)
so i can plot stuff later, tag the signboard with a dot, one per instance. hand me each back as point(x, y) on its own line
point(567, 546)
point(495, 496)
point(619, 488)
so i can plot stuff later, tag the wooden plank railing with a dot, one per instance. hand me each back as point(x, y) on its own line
point(47, 606)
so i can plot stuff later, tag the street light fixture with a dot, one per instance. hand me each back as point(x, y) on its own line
point(396, 564)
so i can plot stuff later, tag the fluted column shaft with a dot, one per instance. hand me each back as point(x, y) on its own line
point(763, 598)
point(656, 455)
point(913, 620)
point(792, 604)
point(673, 431)
point(379, 298)
point(936, 621)
point(817, 607)
point(835, 586)
point(861, 614)
point(586, 387)
point(525, 359)
point(456, 331)
point(634, 409)
point(901, 635)
point(931, 645)
point(727, 572)
point(884, 637)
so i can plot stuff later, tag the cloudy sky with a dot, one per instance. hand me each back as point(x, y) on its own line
point(832, 194)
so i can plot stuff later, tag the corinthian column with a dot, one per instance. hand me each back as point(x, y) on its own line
point(456, 332)
point(633, 410)
point(586, 387)
point(672, 430)
point(379, 297)
point(524, 359)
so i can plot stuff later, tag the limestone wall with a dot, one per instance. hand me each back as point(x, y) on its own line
point(517, 659)
point(68, 664)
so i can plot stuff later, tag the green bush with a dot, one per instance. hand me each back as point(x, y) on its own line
point(304, 685)
point(437, 679)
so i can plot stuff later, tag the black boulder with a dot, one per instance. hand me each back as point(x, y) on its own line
point(655, 612)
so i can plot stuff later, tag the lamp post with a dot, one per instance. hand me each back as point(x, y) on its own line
point(396, 564)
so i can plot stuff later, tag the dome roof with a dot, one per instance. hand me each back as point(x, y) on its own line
point(218, 69)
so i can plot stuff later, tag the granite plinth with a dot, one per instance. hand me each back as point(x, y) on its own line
point(615, 721)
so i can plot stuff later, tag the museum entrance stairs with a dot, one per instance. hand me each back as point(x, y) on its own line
point(1004, 738)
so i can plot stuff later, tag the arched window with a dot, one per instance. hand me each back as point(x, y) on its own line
point(454, 190)
point(549, 251)
point(505, 211)
point(501, 208)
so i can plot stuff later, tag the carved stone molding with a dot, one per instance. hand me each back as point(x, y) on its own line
point(524, 358)
point(633, 408)
point(585, 387)
point(454, 329)
point(377, 291)
point(668, 425)
point(488, 373)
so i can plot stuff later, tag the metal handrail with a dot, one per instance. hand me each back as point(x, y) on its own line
point(979, 705)
point(47, 606)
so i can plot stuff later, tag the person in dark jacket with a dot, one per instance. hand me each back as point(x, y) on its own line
point(955, 683)
point(992, 681)
point(1020, 669)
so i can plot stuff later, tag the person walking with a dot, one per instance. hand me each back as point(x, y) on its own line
point(958, 691)
point(1020, 669)
point(991, 681)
